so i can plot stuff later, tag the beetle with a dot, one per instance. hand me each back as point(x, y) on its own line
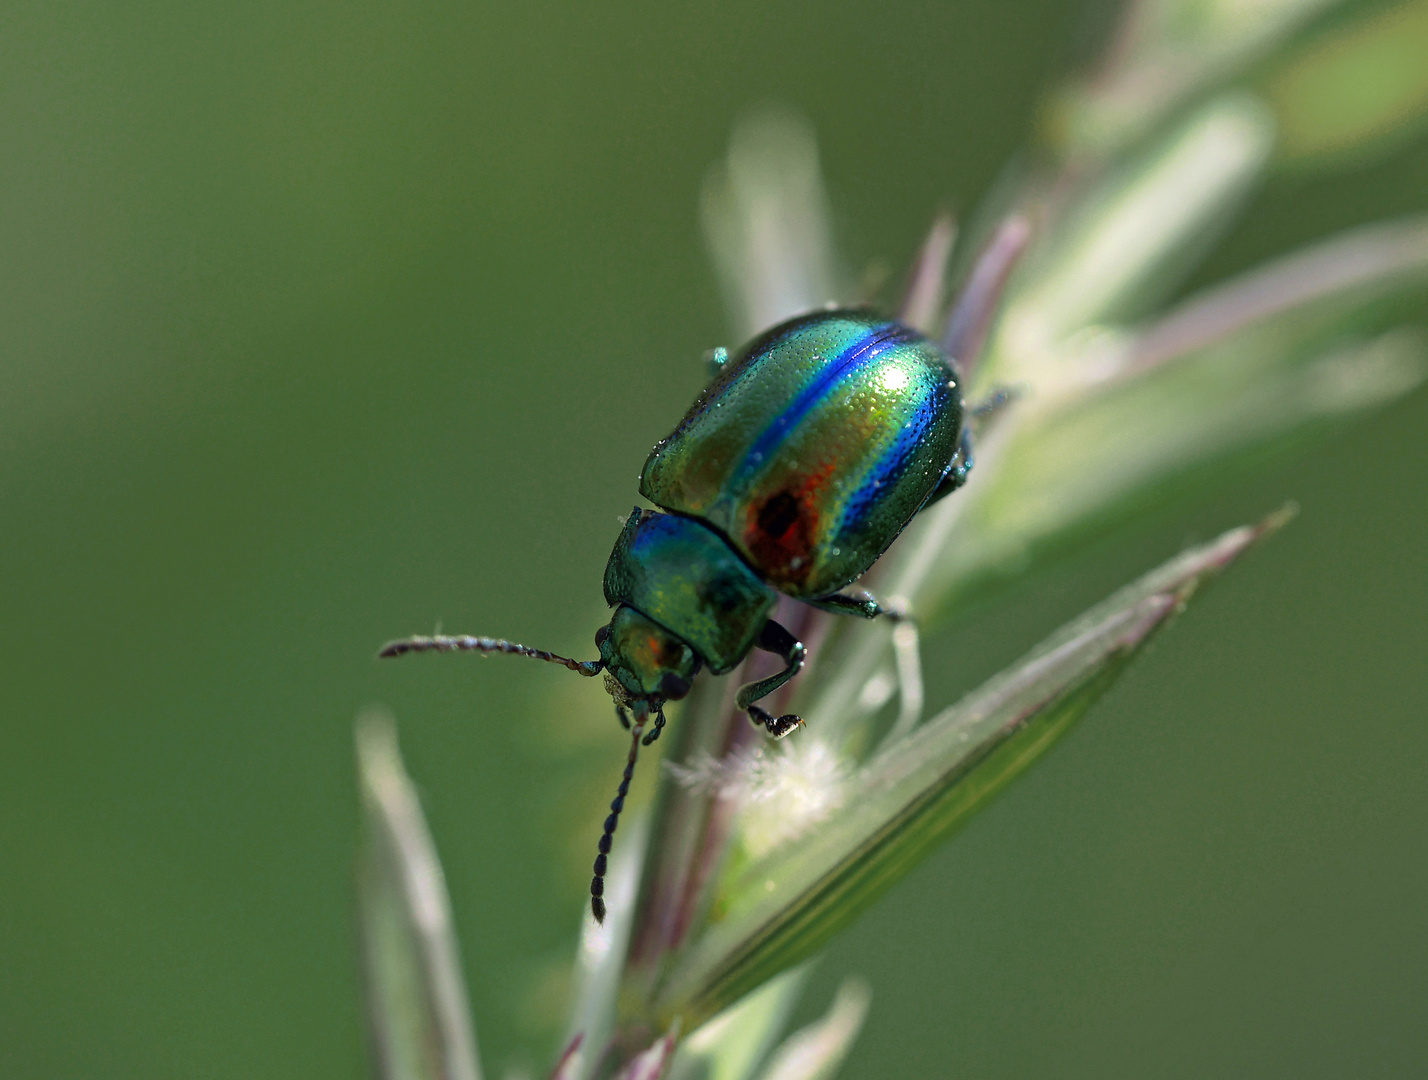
point(801, 461)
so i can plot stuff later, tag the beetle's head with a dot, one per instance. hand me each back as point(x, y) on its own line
point(644, 661)
point(644, 666)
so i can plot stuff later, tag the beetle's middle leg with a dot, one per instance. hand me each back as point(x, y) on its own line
point(775, 639)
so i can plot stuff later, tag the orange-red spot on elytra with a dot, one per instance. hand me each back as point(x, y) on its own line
point(782, 529)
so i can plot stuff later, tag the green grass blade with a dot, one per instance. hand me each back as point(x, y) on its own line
point(815, 1052)
point(766, 221)
point(1164, 54)
point(601, 957)
point(1308, 340)
point(913, 795)
point(417, 1008)
point(653, 1062)
point(732, 1044)
point(1135, 234)
point(1356, 91)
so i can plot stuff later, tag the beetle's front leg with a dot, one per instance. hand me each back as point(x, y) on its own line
point(775, 639)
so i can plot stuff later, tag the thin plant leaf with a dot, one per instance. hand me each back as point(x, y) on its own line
point(909, 798)
point(1296, 343)
point(571, 1060)
point(1347, 271)
point(815, 1052)
point(732, 1044)
point(1164, 54)
point(907, 656)
point(1129, 241)
point(766, 221)
point(1355, 90)
point(418, 1012)
point(922, 302)
point(972, 315)
point(652, 1063)
point(601, 954)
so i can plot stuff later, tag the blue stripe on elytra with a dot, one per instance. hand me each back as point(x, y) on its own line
point(885, 471)
point(856, 355)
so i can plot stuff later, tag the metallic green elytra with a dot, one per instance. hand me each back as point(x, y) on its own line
point(812, 451)
point(793, 471)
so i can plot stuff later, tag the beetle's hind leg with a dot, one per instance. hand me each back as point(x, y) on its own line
point(907, 657)
point(957, 472)
point(981, 416)
point(991, 407)
point(861, 603)
point(775, 639)
point(906, 650)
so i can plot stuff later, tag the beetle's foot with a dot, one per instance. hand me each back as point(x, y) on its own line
point(654, 733)
point(896, 610)
point(865, 604)
point(624, 717)
point(995, 401)
point(777, 726)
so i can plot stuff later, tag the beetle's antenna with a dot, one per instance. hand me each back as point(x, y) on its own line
point(467, 643)
point(597, 883)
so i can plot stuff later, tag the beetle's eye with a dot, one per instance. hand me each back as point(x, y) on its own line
point(601, 635)
point(672, 687)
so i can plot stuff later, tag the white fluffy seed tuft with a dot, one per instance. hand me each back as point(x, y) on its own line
point(781, 790)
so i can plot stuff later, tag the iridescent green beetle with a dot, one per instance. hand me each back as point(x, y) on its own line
point(791, 474)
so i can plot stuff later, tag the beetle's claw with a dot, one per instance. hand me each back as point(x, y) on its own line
point(896, 610)
point(784, 724)
point(776, 726)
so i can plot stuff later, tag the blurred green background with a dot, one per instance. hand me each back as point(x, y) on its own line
point(322, 323)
